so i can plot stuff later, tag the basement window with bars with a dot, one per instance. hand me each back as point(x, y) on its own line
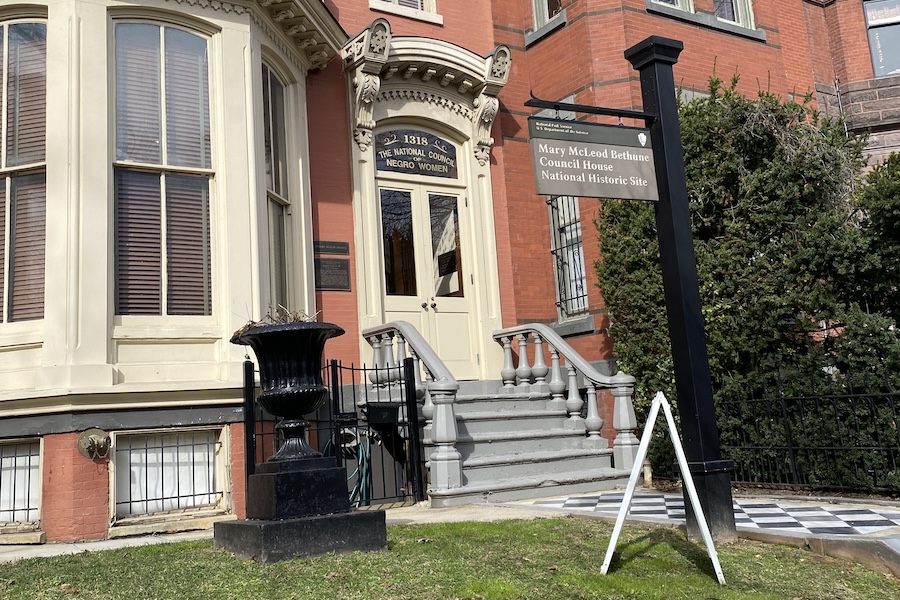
point(20, 483)
point(167, 472)
point(23, 189)
point(162, 171)
point(568, 256)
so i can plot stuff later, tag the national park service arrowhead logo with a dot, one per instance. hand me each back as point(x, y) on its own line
point(642, 138)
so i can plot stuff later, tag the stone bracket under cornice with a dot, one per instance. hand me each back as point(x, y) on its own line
point(417, 66)
point(316, 34)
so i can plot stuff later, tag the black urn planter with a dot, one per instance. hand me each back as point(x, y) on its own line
point(290, 377)
point(297, 502)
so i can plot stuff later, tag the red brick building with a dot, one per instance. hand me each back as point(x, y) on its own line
point(282, 135)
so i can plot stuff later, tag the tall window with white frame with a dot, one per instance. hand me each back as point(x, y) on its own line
point(276, 185)
point(736, 11)
point(883, 23)
point(544, 10)
point(23, 191)
point(568, 256)
point(162, 171)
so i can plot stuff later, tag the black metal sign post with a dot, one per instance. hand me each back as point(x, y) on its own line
point(654, 58)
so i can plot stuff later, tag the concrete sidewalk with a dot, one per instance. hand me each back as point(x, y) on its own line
point(866, 532)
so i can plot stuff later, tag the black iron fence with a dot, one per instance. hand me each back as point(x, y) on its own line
point(372, 426)
point(841, 435)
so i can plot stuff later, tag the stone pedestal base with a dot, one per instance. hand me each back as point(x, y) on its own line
point(302, 488)
point(272, 541)
point(300, 508)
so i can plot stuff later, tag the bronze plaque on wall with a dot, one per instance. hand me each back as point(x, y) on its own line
point(332, 274)
point(325, 247)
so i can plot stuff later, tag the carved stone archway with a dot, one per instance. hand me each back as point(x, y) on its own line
point(382, 67)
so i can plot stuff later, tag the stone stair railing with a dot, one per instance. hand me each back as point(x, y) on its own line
point(537, 376)
point(390, 343)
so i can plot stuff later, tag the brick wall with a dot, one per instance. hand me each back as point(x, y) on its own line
point(332, 198)
point(74, 492)
point(237, 469)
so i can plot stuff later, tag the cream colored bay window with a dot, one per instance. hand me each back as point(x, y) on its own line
point(276, 186)
point(22, 176)
point(162, 171)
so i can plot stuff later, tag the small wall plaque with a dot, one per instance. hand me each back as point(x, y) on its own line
point(332, 273)
point(324, 247)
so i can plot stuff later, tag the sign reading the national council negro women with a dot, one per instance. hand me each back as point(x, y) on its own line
point(415, 153)
point(592, 160)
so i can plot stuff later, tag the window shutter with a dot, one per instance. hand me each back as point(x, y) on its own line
point(187, 245)
point(26, 90)
point(138, 122)
point(187, 100)
point(27, 247)
point(138, 251)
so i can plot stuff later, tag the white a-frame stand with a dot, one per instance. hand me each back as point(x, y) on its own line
point(660, 400)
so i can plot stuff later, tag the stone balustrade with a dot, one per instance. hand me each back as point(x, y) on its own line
point(437, 389)
point(531, 376)
point(390, 343)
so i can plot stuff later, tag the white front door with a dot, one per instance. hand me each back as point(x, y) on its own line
point(427, 272)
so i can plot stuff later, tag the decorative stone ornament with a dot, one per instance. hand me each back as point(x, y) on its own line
point(94, 443)
point(383, 68)
point(315, 33)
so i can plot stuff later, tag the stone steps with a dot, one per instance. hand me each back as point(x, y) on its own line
point(521, 445)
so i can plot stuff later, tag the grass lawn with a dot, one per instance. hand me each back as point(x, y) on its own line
point(556, 558)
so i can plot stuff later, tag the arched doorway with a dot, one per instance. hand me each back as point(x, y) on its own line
point(423, 211)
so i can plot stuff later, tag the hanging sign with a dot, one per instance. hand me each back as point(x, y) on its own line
point(592, 160)
point(415, 152)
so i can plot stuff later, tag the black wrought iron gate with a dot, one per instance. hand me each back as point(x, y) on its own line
point(372, 426)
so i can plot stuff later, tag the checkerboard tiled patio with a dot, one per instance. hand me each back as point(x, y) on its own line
point(754, 513)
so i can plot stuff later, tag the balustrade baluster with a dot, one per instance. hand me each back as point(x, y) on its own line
point(523, 372)
point(574, 402)
point(557, 385)
point(508, 373)
point(392, 372)
point(375, 342)
point(593, 422)
point(539, 369)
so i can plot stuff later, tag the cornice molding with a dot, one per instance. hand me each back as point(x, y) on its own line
point(304, 30)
